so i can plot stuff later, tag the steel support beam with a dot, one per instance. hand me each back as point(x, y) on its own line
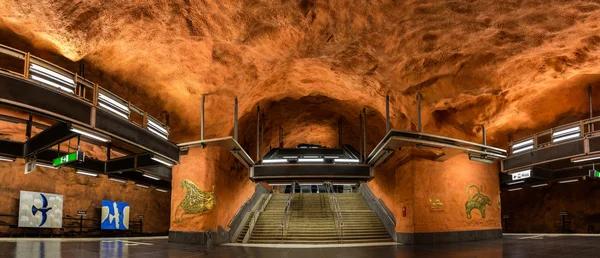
point(52, 136)
point(235, 120)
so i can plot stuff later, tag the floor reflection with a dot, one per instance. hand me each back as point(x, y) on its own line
point(113, 248)
point(43, 249)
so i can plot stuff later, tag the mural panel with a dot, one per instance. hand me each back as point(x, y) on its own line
point(195, 201)
point(115, 215)
point(476, 202)
point(40, 210)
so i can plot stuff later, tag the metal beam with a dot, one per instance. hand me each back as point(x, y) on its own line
point(235, 120)
point(419, 111)
point(257, 133)
point(52, 136)
point(387, 114)
point(226, 142)
point(202, 118)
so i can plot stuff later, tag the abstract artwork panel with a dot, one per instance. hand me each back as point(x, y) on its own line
point(40, 210)
point(115, 215)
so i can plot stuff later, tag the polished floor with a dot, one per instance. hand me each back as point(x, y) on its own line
point(547, 246)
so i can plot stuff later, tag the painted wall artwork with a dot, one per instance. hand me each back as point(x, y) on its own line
point(115, 215)
point(40, 210)
point(476, 202)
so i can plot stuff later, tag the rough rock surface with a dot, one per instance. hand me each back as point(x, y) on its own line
point(517, 66)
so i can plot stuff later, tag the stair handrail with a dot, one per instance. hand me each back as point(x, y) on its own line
point(287, 210)
point(338, 213)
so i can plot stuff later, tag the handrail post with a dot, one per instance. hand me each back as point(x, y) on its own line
point(26, 65)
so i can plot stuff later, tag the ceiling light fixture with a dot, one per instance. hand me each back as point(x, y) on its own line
point(162, 161)
point(566, 131)
point(7, 159)
point(585, 158)
point(157, 133)
point(113, 102)
point(162, 190)
point(346, 160)
point(112, 110)
point(151, 176)
point(117, 180)
point(310, 160)
point(44, 81)
point(514, 189)
point(156, 126)
point(142, 186)
point(44, 165)
point(522, 149)
point(481, 159)
point(90, 135)
point(272, 161)
point(51, 73)
point(568, 181)
point(539, 185)
point(564, 138)
point(515, 182)
point(521, 144)
point(86, 173)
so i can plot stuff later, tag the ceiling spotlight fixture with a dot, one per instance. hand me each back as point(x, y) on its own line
point(162, 161)
point(539, 185)
point(568, 181)
point(514, 189)
point(272, 161)
point(151, 176)
point(89, 134)
point(162, 190)
point(87, 173)
point(515, 182)
point(585, 158)
point(7, 159)
point(142, 186)
point(117, 180)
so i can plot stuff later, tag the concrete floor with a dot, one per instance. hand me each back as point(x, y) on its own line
point(512, 245)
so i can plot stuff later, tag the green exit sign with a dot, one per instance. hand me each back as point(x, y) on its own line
point(69, 158)
point(597, 173)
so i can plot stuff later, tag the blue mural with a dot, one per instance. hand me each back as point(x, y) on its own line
point(115, 215)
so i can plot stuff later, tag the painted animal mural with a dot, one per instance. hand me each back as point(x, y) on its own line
point(195, 201)
point(478, 202)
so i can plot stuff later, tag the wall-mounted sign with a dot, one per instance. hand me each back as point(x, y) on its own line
point(436, 205)
point(40, 210)
point(29, 166)
point(69, 158)
point(81, 213)
point(521, 175)
point(562, 213)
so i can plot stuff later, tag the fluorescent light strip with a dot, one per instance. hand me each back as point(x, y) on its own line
point(514, 189)
point(270, 161)
point(117, 180)
point(540, 185)
point(88, 134)
point(522, 149)
point(113, 102)
point(584, 159)
point(151, 177)
point(142, 186)
point(290, 157)
point(42, 80)
point(564, 138)
point(521, 144)
point(331, 157)
point(566, 131)
point(568, 181)
point(113, 110)
point(157, 133)
point(159, 160)
point(489, 161)
point(310, 157)
point(515, 182)
point(81, 172)
point(9, 159)
point(346, 160)
point(45, 165)
point(54, 74)
point(311, 160)
point(156, 126)
point(162, 190)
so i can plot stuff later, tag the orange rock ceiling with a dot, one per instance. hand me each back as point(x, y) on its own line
point(517, 66)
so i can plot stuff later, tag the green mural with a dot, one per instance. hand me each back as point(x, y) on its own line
point(477, 202)
point(195, 201)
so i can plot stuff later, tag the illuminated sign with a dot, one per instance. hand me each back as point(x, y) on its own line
point(521, 175)
point(594, 173)
point(69, 158)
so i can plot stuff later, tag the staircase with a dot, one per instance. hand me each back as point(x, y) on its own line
point(311, 220)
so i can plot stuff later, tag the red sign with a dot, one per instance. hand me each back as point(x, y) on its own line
point(403, 211)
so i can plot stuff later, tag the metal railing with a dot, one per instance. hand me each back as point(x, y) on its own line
point(286, 211)
point(557, 135)
point(51, 76)
point(255, 217)
point(335, 207)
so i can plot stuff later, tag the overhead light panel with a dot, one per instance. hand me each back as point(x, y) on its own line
point(163, 161)
point(310, 157)
point(151, 176)
point(52, 74)
point(568, 181)
point(539, 185)
point(481, 159)
point(564, 138)
point(522, 149)
point(514, 189)
point(90, 134)
point(290, 157)
point(346, 160)
point(162, 190)
point(113, 102)
point(44, 165)
point(515, 182)
point(310, 160)
point(55, 85)
point(117, 180)
point(571, 130)
point(87, 173)
point(331, 157)
point(585, 158)
point(158, 127)
point(273, 161)
point(7, 159)
point(157, 133)
point(142, 186)
point(522, 144)
point(112, 110)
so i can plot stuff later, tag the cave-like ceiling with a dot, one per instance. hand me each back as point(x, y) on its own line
point(516, 65)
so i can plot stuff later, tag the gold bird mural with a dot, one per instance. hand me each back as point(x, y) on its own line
point(195, 201)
